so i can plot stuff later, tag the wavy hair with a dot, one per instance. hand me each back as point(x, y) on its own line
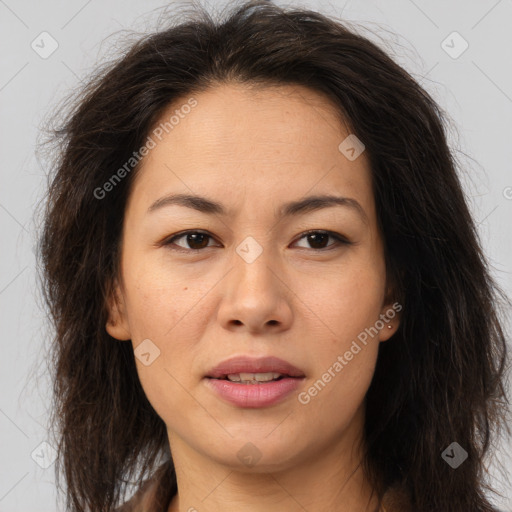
point(440, 379)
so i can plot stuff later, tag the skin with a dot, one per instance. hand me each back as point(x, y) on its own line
point(253, 150)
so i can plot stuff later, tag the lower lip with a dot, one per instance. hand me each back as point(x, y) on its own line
point(262, 394)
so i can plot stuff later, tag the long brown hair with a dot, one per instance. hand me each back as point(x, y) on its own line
point(441, 377)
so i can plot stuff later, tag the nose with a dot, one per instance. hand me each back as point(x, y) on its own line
point(255, 295)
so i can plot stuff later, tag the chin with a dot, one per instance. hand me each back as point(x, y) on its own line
point(253, 454)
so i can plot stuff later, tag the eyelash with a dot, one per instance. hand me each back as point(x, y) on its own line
point(340, 240)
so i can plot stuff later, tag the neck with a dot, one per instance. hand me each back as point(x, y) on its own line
point(332, 479)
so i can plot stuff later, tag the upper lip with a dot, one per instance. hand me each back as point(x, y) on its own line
point(246, 364)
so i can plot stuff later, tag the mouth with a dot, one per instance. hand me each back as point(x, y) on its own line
point(254, 378)
point(251, 370)
point(250, 383)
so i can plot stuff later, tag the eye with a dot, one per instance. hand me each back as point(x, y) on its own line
point(318, 238)
point(197, 240)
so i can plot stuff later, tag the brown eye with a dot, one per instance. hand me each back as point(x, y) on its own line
point(318, 240)
point(193, 240)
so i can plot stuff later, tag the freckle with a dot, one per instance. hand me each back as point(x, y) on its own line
point(186, 288)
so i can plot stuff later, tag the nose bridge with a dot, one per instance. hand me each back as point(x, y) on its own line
point(254, 295)
point(253, 263)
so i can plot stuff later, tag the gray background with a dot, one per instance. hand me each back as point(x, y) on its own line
point(475, 88)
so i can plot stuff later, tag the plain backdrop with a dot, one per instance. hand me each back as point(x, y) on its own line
point(459, 50)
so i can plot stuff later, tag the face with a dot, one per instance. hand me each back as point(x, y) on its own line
point(253, 270)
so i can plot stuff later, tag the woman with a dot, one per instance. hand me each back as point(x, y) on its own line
point(267, 287)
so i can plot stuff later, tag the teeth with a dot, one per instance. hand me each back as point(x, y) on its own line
point(253, 378)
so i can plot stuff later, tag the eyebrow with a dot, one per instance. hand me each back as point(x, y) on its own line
point(292, 208)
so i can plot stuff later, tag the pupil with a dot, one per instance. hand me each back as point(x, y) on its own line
point(313, 238)
point(192, 238)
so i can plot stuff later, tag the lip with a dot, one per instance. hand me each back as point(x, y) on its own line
point(248, 364)
point(263, 394)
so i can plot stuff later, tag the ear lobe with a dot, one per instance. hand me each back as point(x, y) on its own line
point(117, 323)
point(390, 316)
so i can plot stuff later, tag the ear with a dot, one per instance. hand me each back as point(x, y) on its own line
point(117, 323)
point(390, 315)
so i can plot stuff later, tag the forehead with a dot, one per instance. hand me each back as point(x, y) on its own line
point(252, 145)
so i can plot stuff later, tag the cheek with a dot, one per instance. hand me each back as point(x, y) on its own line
point(165, 317)
point(157, 316)
point(158, 298)
point(346, 307)
point(344, 302)
point(342, 373)
point(335, 396)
